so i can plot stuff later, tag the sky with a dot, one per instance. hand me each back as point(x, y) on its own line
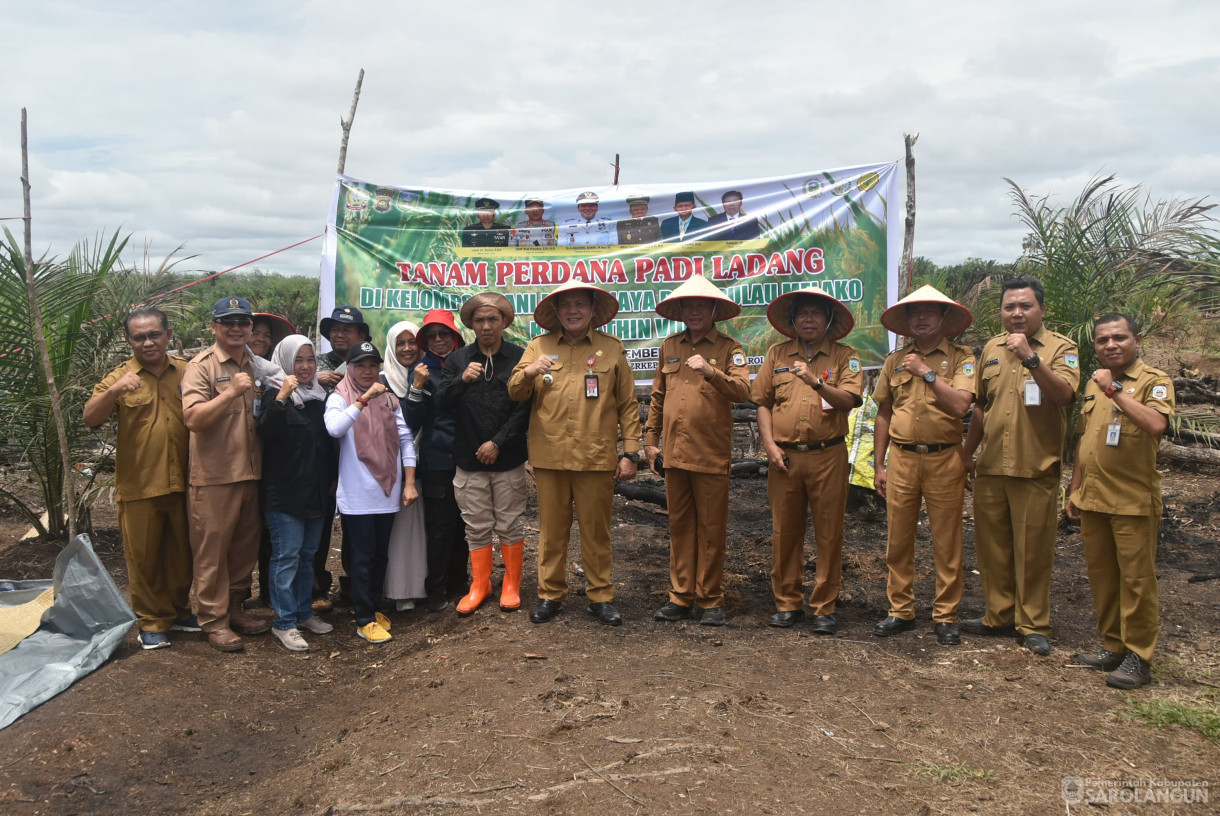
point(215, 126)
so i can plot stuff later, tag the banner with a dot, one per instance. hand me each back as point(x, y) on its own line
point(397, 252)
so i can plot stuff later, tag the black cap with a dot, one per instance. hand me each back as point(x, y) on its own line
point(487, 204)
point(362, 351)
point(344, 314)
point(684, 198)
point(230, 306)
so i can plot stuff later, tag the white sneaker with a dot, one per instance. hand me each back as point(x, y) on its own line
point(291, 639)
point(316, 625)
point(404, 605)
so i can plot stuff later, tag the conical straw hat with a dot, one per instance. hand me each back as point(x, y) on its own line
point(779, 314)
point(957, 317)
point(605, 306)
point(698, 287)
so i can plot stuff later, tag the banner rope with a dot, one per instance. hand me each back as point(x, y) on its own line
point(232, 268)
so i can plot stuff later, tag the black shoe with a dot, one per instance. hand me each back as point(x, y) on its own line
point(1038, 644)
point(605, 612)
point(947, 634)
point(672, 612)
point(975, 626)
point(544, 610)
point(712, 617)
point(786, 619)
point(437, 602)
point(1102, 660)
point(1133, 673)
point(824, 624)
point(893, 625)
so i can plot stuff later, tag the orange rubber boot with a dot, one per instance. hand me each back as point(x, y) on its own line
point(480, 587)
point(510, 590)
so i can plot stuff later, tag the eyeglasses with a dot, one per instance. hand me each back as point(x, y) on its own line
point(440, 334)
point(144, 338)
point(234, 321)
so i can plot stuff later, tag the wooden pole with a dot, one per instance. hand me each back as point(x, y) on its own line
point(907, 266)
point(615, 169)
point(41, 338)
point(346, 124)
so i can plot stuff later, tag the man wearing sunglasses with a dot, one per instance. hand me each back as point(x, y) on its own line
point(150, 475)
point(226, 465)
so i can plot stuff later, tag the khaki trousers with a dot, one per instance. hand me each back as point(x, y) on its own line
point(939, 480)
point(1015, 522)
point(1121, 553)
point(225, 529)
point(815, 480)
point(158, 553)
point(592, 493)
point(698, 525)
point(492, 503)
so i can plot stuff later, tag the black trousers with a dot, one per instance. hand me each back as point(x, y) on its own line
point(370, 542)
point(446, 534)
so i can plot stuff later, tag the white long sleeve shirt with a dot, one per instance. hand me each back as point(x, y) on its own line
point(359, 493)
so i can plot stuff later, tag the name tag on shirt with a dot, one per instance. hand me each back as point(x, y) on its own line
point(1033, 394)
point(590, 386)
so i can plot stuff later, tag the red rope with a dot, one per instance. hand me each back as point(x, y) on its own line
point(232, 268)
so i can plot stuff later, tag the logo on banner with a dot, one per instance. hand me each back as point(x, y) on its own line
point(867, 182)
point(357, 200)
point(406, 201)
point(814, 188)
point(842, 188)
point(384, 200)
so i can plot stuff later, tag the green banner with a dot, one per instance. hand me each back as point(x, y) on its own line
point(397, 252)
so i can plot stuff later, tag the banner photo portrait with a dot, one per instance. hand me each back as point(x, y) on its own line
point(396, 252)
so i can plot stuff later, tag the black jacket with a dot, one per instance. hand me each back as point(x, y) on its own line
point(300, 464)
point(433, 427)
point(482, 409)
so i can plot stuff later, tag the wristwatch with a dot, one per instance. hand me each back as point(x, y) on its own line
point(631, 457)
point(929, 377)
point(817, 386)
point(1032, 362)
point(1113, 388)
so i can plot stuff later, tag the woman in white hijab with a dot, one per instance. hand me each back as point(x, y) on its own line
point(408, 557)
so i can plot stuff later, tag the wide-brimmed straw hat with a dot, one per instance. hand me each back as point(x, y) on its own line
point(281, 327)
point(957, 317)
point(698, 287)
point(779, 313)
point(605, 306)
point(493, 299)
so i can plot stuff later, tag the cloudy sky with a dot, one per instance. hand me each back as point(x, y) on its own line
point(216, 125)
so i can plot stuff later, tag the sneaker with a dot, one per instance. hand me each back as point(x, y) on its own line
point(315, 625)
point(1133, 673)
point(322, 604)
point(437, 603)
point(382, 621)
point(291, 639)
point(404, 606)
point(712, 617)
point(373, 632)
point(188, 624)
point(1102, 660)
point(154, 640)
point(672, 612)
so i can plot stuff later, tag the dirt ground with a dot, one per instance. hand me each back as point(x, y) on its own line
point(493, 714)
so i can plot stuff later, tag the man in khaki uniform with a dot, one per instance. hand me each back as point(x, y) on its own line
point(1116, 497)
point(924, 390)
point(150, 475)
point(701, 373)
point(1026, 379)
point(583, 393)
point(805, 390)
point(218, 391)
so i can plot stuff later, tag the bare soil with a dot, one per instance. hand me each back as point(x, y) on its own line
point(493, 714)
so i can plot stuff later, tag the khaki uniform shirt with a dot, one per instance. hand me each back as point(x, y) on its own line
point(919, 419)
point(1022, 440)
point(694, 415)
point(569, 430)
point(229, 451)
point(798, 414)
point(151, 455)
point(1122, 479)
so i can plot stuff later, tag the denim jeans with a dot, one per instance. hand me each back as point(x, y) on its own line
point(370, 543)
point(293, 544)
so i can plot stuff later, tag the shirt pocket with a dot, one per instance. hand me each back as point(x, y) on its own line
point(991, 383)
point(139, 406)
point(785, 386)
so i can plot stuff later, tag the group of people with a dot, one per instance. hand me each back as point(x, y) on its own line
point(590, 229)
point(450, 426)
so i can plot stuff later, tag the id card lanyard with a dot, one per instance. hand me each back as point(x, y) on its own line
point(591, 390)
point(1114, 430)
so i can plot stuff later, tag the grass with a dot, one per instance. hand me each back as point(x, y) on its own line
point(955, 773)
point(983, 667)
point(1200, 715)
